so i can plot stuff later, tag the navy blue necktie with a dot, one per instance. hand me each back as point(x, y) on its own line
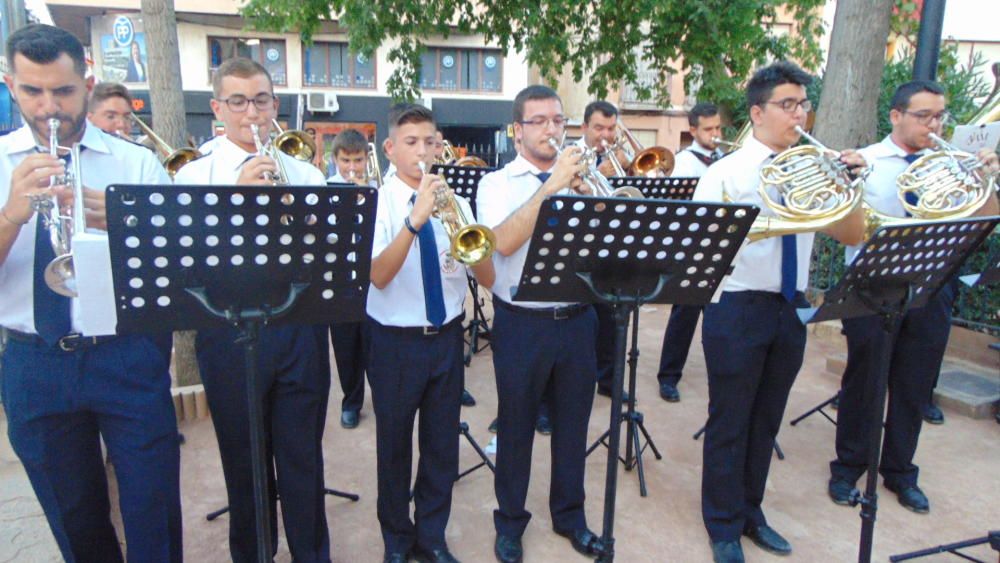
point(910, 197)
point(430, 272)
point(51, 310)
point(544, 176)
point(789, 261)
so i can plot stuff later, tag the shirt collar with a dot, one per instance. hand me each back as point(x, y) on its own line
point(695, 147)
point(23, 140)
point(520, 166)
point(397, 189)
point(888, 147)
point(230, 152)
point(756, 150)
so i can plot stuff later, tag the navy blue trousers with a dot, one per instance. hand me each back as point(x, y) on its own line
point(677, 342)
point(411, 373)
point(917, 352)
point(529, 354)
point(59, 405)
point(294, 395)
point(350, 350)
point(754, 344)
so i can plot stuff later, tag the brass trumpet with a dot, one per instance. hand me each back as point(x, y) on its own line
point(592, 177)
point(269, 150)
point(59, 274)
point(816, 190)
point(372, 168)
point(173, 160)
point(471, 243)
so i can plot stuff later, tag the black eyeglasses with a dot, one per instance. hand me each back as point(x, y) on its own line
point(239, 104)
point(558, 121)
point(788, 105)
point(928, 117)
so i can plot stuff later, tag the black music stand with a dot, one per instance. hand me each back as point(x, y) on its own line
point(673, 188)
point(627, 252)
point(464, 181)
point(819, 409)
point(899, 269)
point(190, 257)
point(990, 276)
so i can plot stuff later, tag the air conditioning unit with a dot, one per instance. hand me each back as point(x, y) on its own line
point(322, 102)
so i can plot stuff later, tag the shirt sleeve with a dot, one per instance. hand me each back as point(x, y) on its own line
point(152, 171)
point(382, 235)
point(682, 165)
point(711, 186)
point(491, 205)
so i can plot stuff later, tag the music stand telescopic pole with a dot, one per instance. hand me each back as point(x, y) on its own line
point(203, 257)
point(627, 252)
point(899, 269)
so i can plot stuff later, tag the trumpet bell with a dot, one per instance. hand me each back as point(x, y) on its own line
point(180, 157)
point(654, 161)
point(60, 276)
point(297, 144)
point(473, 244)
point(628, 191)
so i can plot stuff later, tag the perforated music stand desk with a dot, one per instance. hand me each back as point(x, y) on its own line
point(899, 269)
point(627, 252)
point(464, 181)
point(195, 257)
point(674, 188)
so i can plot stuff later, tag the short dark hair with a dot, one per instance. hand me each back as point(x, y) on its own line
point(43, 44)
point(107, 90)
point(349, 141)
point(403, 113)
point(766, 79)
point(240, 67)
point(606, 108)
point(901, 98)
point(700, 110)
point(533, 92)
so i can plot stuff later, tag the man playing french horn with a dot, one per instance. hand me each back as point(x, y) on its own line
point(917, 112)
point(753, 341)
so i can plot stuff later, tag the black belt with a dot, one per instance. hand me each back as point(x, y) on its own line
point(554, 313)
point(422, 330)
point(69, 343)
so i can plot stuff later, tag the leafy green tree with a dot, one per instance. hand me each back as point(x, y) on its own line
point(716, 42)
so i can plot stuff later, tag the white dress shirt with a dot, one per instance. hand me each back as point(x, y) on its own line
point(401, 301)
point(758, 265)
point(687, 165)
point(500, 194)
point(105, 160)
point(888, 161)
point(222, 167)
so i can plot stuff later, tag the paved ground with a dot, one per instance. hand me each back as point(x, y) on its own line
point(959, 464)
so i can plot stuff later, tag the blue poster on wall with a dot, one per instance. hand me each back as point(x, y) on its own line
point(123, 53)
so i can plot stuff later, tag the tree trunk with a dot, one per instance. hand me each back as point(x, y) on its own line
point(170, 122)
point(847, 115)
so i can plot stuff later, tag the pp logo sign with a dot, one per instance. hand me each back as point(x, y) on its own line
point(123, 31)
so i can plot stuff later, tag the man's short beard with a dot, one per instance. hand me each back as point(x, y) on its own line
point(76, 129)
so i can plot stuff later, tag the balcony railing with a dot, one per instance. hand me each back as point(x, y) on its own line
point(649, 78)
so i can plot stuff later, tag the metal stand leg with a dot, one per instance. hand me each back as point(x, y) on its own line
point(819, 409)
point(463, 429)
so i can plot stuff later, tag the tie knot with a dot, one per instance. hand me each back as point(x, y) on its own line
point(544, 176)
point(910, 158)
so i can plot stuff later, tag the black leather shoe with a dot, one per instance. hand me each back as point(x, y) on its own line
point(607, 393)
point(584, 541)
point(467, 399)
point(433, 555)
point(543, 425)
point(727, 552)
point(932, 414)
point(395, 558)
point(840, 491)
point(349, 418)
point(767, 539)
point(669, 393)
point(508, 549)
point(493, 425)
point(912, 498)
